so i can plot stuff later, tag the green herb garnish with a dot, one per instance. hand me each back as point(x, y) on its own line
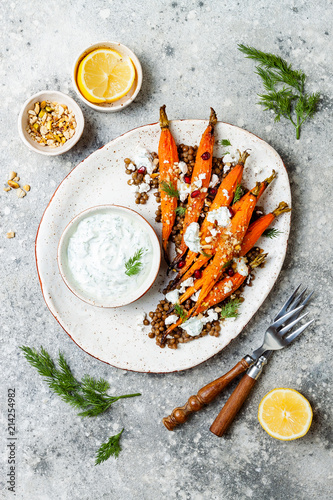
point(180, 311)
point(227, 264)
point(230, 309)
point(134, 264)
point(88, 395)
point(225, 142)
point(271, 233)
point(111, 447)
point(238, 193)
point(205, 254)
point(180, 210)
point(169, 189)
point(285, 88)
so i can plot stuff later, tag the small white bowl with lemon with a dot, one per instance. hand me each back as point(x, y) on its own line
point(107, 76)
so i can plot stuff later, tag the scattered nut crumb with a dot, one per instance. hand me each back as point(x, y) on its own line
point(16, 179)
point(26, 187)
point(12, 174)
point(20, 193)
point(7, 189)
point(10, 235)
point(13, 184)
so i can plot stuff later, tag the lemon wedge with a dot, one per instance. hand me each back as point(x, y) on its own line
point(105, 76)
point(285, 414)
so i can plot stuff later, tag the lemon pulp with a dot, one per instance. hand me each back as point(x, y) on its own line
point(105, 76)
point(285, 414)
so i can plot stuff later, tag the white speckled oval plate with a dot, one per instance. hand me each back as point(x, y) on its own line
point(111, 335)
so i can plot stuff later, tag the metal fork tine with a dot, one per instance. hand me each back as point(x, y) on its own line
point(285, 306)
point(306, 300)
point(287, 316)
point(298, 299)
point(291, 325)
point(297, 332)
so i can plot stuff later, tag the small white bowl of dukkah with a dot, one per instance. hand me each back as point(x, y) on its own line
point(109, 256)
point(50, 123)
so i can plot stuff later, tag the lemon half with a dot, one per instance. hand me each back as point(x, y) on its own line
point(285, 414)
point(105, 76)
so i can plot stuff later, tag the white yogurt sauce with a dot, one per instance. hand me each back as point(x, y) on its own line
point(98, 250)
point(191, 237)
point(220, 215)
point(194, 325)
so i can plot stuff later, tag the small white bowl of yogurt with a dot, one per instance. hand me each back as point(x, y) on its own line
point(109, 256)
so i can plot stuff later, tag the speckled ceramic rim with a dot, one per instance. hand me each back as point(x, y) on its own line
point(156, 259)
point(149, 371)
point(62, 99)
point(126, 100)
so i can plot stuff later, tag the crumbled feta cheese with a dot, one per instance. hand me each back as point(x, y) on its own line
point(131, 167)
point(208, 239)
point(194, 326)
point(183, 190)
point(147, 178)
point(202, 176)
point(225, 192)
point(204, 190)
point(143, 159)
point(166, 161)
point(191, 237)
point(213, 231)
point(220, 215)
point(134, 188)
point(170, 320)
point(227, 287)
point(226, 167)
point(182, 167)
point(185, 284)
point(197, 183)
point(214, 181)
point(172, 296)
point(144, 187)
point(241, 266)
point(195, 296)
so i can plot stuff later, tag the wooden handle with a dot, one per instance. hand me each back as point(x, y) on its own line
point(204, 396)
point(232, 406)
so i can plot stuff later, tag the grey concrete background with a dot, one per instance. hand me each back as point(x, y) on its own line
point(190, 61)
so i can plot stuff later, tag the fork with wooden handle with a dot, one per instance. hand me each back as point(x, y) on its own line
point(287, 317)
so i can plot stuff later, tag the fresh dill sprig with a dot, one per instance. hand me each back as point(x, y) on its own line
point(225, 142)
point(227, 264)
point(111, 447)
point(238, 193)
point(284, 87)
point(230, 309)
point(205, 254)
point(180, 311)
point(169, 189)
point(271, 233)
point(134, 264)
point(180, 210)
point(88, 395)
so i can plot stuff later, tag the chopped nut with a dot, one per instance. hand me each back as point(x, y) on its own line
point(16, 179)
point(10, 235)
point(217, 309)
point(20, 193)
point(12, 174)
point(13, 184)
point(26, 187)
point(7, 189)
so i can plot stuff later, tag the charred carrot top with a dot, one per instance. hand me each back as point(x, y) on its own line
point(256, 229)
point(200, 180)
point(168, 165)
point(263, 185)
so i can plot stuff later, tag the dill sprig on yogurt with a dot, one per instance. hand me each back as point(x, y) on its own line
point(134, 264)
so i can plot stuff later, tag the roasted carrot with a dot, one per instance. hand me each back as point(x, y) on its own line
point(200, 181)
point(229, 244)
point(221, 291)
point(168, 166)
point(223, 198)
